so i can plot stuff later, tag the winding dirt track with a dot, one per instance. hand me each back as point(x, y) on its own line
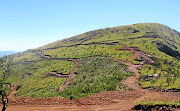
point(106, 101)
point(71, 76)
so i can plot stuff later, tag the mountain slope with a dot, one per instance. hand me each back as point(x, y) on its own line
point(48, 67)
point(122, 32)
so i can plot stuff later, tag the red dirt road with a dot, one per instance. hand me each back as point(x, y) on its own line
point(71, 76)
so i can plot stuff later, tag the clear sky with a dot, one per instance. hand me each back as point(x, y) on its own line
point(27, 24)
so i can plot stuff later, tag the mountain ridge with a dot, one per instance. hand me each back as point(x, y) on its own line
point(125, 27)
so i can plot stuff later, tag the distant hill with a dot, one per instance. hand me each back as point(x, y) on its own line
point(43, 71)
point(5, 53)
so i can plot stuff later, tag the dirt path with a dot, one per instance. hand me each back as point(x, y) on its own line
point(71, 76)
point(13, 88)
point(145, 94)
point(57, 75)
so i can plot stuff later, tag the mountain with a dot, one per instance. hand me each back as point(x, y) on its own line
point(5, 53)
point(97, 61)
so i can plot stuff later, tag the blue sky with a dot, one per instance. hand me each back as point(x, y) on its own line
point(27, 24)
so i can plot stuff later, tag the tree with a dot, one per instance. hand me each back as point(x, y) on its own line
point(168, 80)
point(5, 66)
point(174, 79)
point(152, 81)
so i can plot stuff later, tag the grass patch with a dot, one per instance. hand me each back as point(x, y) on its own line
point(161, 102)
point(38, 85)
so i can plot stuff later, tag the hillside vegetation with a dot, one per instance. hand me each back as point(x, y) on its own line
point(94, 75)
point(96, 72)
